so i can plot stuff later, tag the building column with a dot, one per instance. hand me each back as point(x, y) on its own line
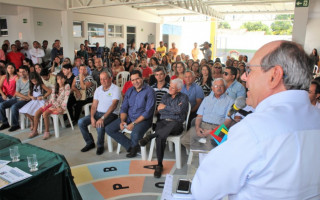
point(67, 34)
point(301, 15)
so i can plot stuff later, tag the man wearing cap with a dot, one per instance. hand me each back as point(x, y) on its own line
point(206, 51)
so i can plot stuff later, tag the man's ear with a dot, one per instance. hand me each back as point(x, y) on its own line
point(276, 76)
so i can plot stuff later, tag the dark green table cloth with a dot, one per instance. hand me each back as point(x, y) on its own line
point(53, 180)
point(6, 141)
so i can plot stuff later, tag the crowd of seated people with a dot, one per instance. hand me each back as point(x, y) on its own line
point(41, 81)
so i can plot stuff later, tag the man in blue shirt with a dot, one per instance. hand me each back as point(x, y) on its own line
point(234, 88)
point(136, 114)
point(274, 152)
point(77, 63)
point(212, 112)
point(194, 93)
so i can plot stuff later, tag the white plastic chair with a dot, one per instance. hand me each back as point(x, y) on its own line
point(86, 113)
point(8, 114)
point(124, 78)
point(143, 149)
point(176, 139)
point(56, 119)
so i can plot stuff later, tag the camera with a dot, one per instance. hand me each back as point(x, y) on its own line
point(202, 49)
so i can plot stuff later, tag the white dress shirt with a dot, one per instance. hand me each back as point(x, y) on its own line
point(36, 55)
point(273, 153)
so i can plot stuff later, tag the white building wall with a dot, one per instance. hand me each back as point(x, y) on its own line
point(143, 29)
point(312, 39)
point(51, 26)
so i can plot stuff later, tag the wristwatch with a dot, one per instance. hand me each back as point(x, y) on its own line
point(102, 117)
point(133, 123)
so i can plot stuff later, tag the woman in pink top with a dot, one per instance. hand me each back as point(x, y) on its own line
point(8, 83)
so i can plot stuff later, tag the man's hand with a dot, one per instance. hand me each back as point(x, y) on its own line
point(206, 132)
point(200, 132)
point(122, 124)
point(100, 123)
point(130, 127)
point(93, 122)
point(4, 97)
point(161, 106)
point(78, 94)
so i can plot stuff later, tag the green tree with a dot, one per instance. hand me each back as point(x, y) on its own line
point(283, 26)
point(256, 26)
point(224, 25)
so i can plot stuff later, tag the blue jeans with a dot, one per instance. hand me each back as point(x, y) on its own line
point(15, 105)
point(86, 121)
point(113, 129)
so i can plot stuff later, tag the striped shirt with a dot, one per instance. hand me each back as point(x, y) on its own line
point(160, 92)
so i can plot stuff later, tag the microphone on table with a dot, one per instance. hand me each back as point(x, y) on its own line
point(239, 103)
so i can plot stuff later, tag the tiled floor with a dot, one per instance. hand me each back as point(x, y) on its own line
point(70, 142)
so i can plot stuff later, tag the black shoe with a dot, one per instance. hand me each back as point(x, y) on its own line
point(4, 126)
point(74, 123)
point(133, 152)
point(158, 171)
point(144, 141)
point(88, 147)
point(14, 128)
point(100, 150)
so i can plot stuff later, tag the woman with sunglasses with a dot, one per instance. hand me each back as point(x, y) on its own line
point(217, 70)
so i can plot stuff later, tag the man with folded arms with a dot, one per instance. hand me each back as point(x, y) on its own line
point(173, 112)
point(103, 111)
point(136, 114)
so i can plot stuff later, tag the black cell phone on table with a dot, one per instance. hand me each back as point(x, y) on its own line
point(184, 186)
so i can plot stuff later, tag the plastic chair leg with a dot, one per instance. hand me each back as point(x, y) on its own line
point(118, 148)
point(178, 154)
point(110, 147)
point(56, 125)
point(152, 146)
point(190, 157)
point(170, 146)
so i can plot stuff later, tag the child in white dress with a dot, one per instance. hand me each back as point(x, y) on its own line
point(57, 104)
point(38, 93)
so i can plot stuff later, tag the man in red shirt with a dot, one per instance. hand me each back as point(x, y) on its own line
point(146, 71)
point(15, 56)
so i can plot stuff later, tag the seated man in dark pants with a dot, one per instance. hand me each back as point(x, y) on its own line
point(103, 111)
point(136, 114)
point(173, 112)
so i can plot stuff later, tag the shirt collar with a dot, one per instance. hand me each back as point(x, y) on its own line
point(221, 97)
point(233, 83)
point(287, 97)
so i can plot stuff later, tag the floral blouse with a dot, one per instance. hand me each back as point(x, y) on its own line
point(61, 99)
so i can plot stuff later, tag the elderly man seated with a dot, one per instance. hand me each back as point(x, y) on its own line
point(212, 112)
point(173, 112)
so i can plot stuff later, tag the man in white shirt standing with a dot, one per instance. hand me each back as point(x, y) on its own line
point(36, 53)
point(274, 152)
point(104, 110)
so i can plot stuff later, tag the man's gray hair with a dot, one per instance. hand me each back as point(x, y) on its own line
point(296, 65)
point(107, 73)
point(178, 82)
point(219, 79)
point(191, 72)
